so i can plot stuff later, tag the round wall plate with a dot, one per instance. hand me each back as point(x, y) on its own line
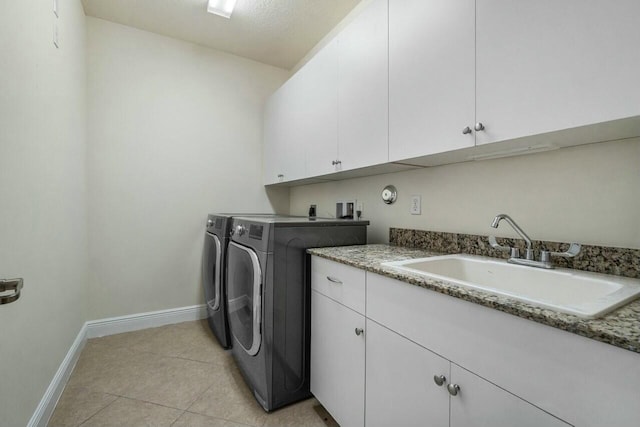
point(389, 194)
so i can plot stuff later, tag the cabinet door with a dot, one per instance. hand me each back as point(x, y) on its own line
point(431, 76)
point(319, 110)
point(482, 404)
point(337, 359)
point(400, 387)
point(548, 65)
point(363, 89)
point(283, 156)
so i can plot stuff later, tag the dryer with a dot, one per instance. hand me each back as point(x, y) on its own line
point(214, 257)
point(269, 296)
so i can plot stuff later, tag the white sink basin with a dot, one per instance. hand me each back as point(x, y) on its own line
point(587, 295)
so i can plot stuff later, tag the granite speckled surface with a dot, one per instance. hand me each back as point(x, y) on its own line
point(620, 327)
point(596, 259)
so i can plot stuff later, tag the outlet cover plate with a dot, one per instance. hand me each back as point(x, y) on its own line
point(416, 205)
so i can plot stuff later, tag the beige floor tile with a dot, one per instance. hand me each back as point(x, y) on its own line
point(189, 419)
point(298, 414)
point(124, 340)
point(172, 382)
point(189, 340)
point(150, 377)
point(133, 413)
point(78, 404)
point(229, 398)
point(160, 372)
point(190, 324)
point(105, 369)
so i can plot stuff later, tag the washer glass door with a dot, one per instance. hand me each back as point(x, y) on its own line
point(244, 301)
point(211, 270)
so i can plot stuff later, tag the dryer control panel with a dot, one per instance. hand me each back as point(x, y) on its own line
point(255, 231)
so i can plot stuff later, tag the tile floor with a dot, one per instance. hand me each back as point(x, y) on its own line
point(175, 375)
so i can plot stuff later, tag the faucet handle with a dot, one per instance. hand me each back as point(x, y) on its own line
point(495, 245)
point(574, 249)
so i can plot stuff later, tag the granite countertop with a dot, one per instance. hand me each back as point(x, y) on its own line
point(620, 327)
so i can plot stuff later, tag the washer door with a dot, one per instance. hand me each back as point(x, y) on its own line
point(244, 280)
point(212, 270)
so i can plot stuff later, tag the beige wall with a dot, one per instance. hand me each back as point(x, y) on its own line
point(175, 132)
point(43, 235)
point(588, 194)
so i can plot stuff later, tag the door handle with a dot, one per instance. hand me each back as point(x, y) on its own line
point(14, 286)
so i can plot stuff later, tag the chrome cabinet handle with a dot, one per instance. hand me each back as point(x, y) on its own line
point(454, 389)
point(336, 162)
point(439, 379)
point(359, 331)
point(334, 280)
point(10, 285)
point(479, 127)
point(466, 130)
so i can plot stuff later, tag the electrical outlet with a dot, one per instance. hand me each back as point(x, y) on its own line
point(416, 205)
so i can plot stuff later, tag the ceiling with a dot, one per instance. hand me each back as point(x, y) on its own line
point(275, 32)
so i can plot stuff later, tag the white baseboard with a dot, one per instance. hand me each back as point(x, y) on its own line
point(152, 319)
point(101, 328)
point(43, 412)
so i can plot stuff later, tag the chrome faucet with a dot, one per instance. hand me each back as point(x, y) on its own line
point(529, 259)
point(520, 231)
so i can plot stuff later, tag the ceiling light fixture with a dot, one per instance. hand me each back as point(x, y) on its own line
point(223, 8)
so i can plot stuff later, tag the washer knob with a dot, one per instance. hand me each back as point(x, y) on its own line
point(241, 229)
point(209, 222)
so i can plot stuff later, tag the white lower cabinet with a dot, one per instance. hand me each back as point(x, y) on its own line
point(337, 359)
point(400, 387)
point(582, 381)
point(478, 403)
point(510, 371)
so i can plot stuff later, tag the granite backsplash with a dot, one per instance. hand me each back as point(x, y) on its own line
point(598, 259)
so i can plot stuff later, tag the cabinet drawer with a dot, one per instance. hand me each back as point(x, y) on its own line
point(339, 282)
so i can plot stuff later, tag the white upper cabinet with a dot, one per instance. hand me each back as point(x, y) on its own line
point(409, 80)
point(319, 107)
point(283, 146)
point(363, 89)
point(548, 65)
point(431, 76)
